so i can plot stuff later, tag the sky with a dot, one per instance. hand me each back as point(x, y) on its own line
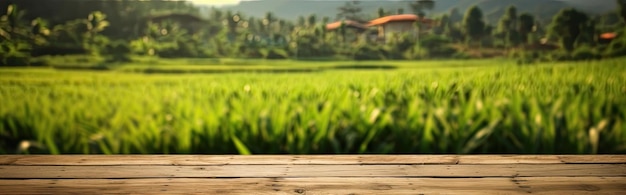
point(215, 2)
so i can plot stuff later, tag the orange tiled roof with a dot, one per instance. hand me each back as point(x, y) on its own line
point(349, 23)
point(610, 35)
point(379, 21)
point(397, 18)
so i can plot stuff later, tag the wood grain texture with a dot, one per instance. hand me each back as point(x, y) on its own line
point(68, 172)
point(330, 185)
point(305, 159)
point(316, 174)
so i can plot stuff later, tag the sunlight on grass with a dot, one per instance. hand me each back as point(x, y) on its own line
point(421, 107)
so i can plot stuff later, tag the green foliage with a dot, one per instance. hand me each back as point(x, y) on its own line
point(118, 51)
point(313, 43)
point(473, 24)
point(401, 44)
point(444, 22)
point(14, 53)
point(585, 53)
point(92, 40)
point(13, 22)
point(381, 12)
point(351, 10)
point(175, 30)
point(493, 107)
point(96, 22)
point(526, 25)
point(170, 40)
point(567, 26)
point(69, 33)
point(76, 62)
point(312, 20)
point(274, 53)
point(525, 57)
point(507, 27)
point(437, 46)
point(420, 6)
point(16, 41)
point(461, 55)
point(616, 48)
point(560, 55)
point(622, 9)
point(369, 52)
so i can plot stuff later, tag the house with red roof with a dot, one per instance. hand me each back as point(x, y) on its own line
point(387, 27)
point(607, 37)
point(349, 24)
point(356, 30)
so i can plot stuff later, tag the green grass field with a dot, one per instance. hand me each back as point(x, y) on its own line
point(287, 107)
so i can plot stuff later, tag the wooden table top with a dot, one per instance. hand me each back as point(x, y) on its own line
point(312, 174)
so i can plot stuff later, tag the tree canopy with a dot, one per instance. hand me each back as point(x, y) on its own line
point(473, 24)
point(567, 26)
point(420, 6)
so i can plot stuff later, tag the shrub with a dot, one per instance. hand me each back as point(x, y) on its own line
point(366, 52)
point(274, 53)
point(15, 60)
point(559, 55)
point(437, 46)
point(181, 49)
point(399, 44)
point(616, 48)
point(445, 51)
point(584, 53)
point(58, 50)
point(14, 54)
point(527, 56)
point(432, 41)
point(118, 51)
point(41, 61)
point(461, 55)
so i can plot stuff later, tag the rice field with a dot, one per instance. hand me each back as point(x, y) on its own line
point(430, 107)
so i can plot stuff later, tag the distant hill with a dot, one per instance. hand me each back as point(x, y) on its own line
point(493, 9)
point(593, 6)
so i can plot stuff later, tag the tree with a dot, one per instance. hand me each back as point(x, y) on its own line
point(39, 31)
point(453, 29)
point(301, 21)
point(455, 16)
point(473, 24)
point(526, 26)
point(267, 22)
point(325, 19)
point(444, 22)
point(343, 31)
point(567, 26)
point(13, 25)
point(622, 9)
point(381, 12)
point(15, 47)
point(350, 11)
point(420, 6)
point(507, 27)
point(312, 20)
point(96, 22)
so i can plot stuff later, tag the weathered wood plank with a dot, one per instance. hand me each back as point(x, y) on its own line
point(220, 160)
point(550, 170)
point(305, 159)
point(541, 185)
